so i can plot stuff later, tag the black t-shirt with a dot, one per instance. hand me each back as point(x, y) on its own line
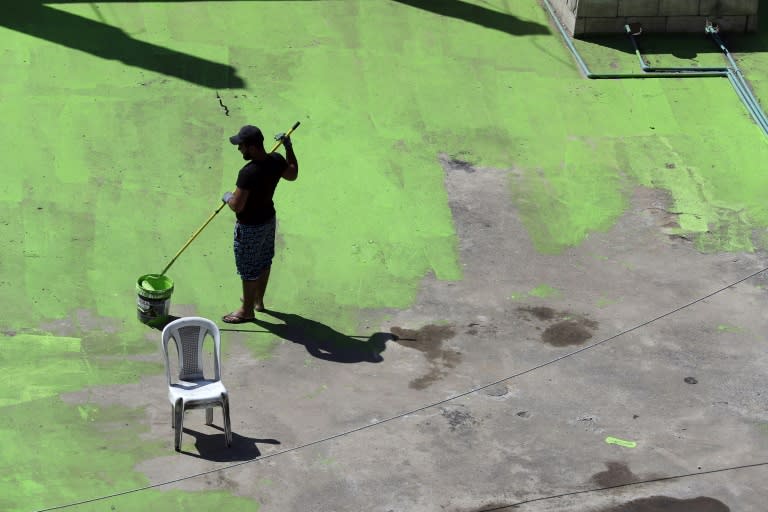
point(259, 178)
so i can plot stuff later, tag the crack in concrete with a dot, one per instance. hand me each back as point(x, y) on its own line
point(226, 110)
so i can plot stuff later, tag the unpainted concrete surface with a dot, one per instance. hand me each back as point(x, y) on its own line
point(680, 375)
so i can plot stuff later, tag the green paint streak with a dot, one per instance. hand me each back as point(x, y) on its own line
point(314, 394)
point(544, 291)
point(728, 328)
point(42, 366)
point(604, 301)
point(326, 461)
point(86, 452)
point(576, 189)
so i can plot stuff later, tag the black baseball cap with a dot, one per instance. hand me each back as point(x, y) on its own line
point(247, 134)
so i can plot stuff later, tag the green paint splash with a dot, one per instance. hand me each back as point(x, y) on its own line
point(726, 328)
point(544, 291)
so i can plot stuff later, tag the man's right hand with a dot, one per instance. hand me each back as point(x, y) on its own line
point(226, 197)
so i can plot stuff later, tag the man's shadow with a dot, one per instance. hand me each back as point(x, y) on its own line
point(212, 446)
point(323, 342)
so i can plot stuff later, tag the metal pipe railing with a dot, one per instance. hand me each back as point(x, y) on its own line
point(732, 72)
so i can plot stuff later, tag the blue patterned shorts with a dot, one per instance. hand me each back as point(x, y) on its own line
point(254, 249)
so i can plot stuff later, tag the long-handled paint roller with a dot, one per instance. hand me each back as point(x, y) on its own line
point(146, 283)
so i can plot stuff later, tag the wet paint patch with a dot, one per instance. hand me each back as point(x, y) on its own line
point(44, 366)
point(86, 451)
point(566, 329)
point(429, 340)
point(667, 504)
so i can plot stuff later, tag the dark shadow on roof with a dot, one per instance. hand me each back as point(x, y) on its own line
point(101, 40)
point(213, 447)
point(322, 341)
point(480, 15)
point(689, 45)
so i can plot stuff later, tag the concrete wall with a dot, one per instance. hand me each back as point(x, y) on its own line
point(609, 16)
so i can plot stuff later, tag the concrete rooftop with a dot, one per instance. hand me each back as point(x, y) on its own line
point(489, 269)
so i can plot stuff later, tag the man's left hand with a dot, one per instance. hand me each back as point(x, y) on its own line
point(285, 139)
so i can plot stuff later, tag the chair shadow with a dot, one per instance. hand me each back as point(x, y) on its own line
point(213, 447)
point(480, 15)
point(33, 18)
point(322, 341)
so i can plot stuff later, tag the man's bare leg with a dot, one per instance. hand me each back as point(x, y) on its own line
point(249, 293)
point(257, 288)
point(260, 287)
point(253, 297)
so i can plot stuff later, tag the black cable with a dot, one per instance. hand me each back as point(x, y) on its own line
point(628, 484)
point(429, 406)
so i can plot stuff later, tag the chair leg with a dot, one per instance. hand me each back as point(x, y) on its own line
point(178, 424)
point(209, 416)
point(173, 417)
point(227, 425)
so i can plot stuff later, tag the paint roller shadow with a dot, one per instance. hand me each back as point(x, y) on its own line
point(213, 448)
point(324, 342)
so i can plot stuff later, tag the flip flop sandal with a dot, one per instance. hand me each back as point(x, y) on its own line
point(236, 319)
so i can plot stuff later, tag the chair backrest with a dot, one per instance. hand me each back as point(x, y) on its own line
point(189, 333)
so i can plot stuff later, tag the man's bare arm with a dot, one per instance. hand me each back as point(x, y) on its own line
point(237, 202)
point(291, 172)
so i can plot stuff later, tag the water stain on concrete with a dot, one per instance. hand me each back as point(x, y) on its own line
point(667, 504)
point(541, 312)
point(617, 473)
point(568, 329)
point(569, 332)
point(458, 418)
point(434, 374)
point(429, 341)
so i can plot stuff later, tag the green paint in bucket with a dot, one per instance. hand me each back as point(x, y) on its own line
point(154, 298)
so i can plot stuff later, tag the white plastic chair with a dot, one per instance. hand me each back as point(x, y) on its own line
point(192, 390)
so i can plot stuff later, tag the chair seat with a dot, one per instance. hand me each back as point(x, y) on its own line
point(196, 392)
point(191, 390)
